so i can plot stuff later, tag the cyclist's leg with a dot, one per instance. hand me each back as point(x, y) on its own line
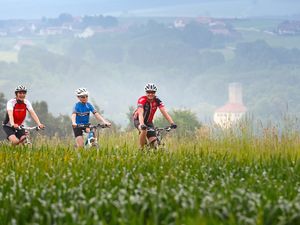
point(21, 135)
point(11, 135)
point(22, 139)
point(78, 133)
point(79, 141)
point(13, 139)
point(142, 134)
point(142, 138)
point(151, 135)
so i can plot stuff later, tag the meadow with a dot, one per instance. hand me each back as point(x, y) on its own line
point(8, 56)
point(213, 177)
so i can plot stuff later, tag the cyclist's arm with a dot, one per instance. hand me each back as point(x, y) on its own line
point(11, 118)
point(73, 119)
point(35, 118)
point(100, 118)
point(166, 115)
point(10, 112)
point(140, 111)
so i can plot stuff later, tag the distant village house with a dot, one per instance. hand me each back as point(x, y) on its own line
point(289, 28)
point(234, 110)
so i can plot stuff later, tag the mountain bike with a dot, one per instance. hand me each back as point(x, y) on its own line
point(159, 134)
point(90, 138)
point(27, 140)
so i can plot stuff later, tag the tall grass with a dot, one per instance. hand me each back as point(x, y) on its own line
point(235, 176)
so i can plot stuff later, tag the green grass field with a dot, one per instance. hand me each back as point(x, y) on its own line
point(273, 40)
point(8, 56)
point(224, 178)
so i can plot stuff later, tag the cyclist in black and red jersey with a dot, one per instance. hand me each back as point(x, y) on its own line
point(143, 115)
point(16, 110)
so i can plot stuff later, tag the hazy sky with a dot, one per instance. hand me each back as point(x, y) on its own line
point(217, 8)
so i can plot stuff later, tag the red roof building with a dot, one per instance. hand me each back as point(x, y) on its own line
point(234, 110)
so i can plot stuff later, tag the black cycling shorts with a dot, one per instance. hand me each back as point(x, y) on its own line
point(136, 123)
point(12, 131)
point(78, 131)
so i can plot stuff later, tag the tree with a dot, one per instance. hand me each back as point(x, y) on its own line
point(93, 120)
point(185, 119)
point(2, 113)
point(109, 21)
point(63, 123)
point(197, 36)
point(129, 114)
point(65, 18)
point(60, 125)
point(114, 127)
point(100, 20)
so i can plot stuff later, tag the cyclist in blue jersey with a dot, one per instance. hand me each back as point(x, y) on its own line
point(81, 115)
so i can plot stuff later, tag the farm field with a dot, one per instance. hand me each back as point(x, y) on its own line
point(8, 56)
point(273, 40)
point(224, 179)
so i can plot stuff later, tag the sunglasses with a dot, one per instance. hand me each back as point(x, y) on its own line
point(150, 92)
point(22, 92)
point(84, 96)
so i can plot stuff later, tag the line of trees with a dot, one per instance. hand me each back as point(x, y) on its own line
point(96, 20)
point(259, 54)
point(185, 119)
point(56, 126)
point(60, 126)
point(2, 113)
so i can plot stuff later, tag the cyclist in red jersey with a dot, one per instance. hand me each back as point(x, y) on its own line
point(143, 115)
point(16, 110)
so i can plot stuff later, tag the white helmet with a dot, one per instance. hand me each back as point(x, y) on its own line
point(150, 87)
point(20, 88)
point(81, 92)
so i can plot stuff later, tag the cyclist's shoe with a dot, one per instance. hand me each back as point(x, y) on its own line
point(93, 142)
point(173, 126)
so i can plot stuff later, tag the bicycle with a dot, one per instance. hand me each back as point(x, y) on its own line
point(159, 134)
point(90, 138)
point(26, 140)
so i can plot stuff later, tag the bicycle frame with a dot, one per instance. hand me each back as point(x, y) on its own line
point(90, 139)
point(27, 140)
point(159, 134)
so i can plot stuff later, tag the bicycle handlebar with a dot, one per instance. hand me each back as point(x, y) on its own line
point(100, 125)
point(165, 128)
point(92, 126)
point(22, 127)
point(168, 128)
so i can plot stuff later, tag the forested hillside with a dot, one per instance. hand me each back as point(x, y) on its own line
point(191, 65)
